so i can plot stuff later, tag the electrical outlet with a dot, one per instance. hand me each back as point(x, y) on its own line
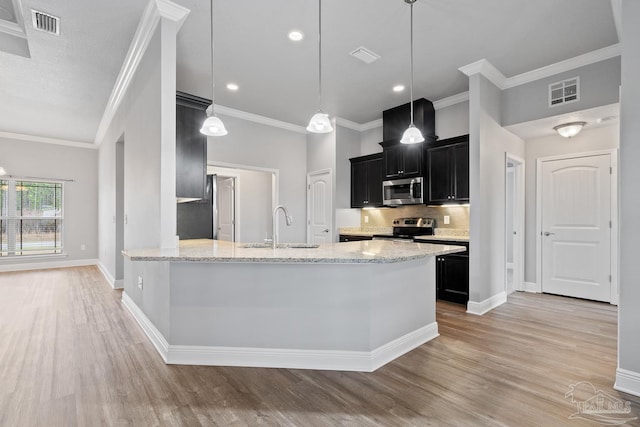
point(140, 282)
point(446, 220)
point(366, 219)
point(83, 247)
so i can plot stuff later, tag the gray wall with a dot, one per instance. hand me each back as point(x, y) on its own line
point(590, 139)
point(257, 145)
point(25, 158)
point(599, 85)
point(629, 315)
point(347, 146)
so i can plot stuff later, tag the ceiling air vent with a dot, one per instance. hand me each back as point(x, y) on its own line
point(365, 55)
point(45, 22)
point(564, 92)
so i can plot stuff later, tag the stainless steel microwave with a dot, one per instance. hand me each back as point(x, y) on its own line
point(407, 191)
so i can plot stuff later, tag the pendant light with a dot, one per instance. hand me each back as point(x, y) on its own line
point(320, 122)
point(412, 135)
point(2, 171)
point(212, 126)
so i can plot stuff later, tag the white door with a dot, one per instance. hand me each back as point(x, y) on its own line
point(226, 209)
point(319, 207)
point(576, 227)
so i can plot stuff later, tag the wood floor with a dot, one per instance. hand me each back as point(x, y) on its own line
point(70, 354)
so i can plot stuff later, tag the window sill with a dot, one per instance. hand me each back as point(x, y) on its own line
point(20, 258)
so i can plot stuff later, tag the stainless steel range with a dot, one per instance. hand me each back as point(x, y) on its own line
point(408, 228)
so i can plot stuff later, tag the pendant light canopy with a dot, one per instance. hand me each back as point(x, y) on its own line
point(320, 122)
point(212, 126)
point(412, 135)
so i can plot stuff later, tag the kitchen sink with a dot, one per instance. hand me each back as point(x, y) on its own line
point(280, 245)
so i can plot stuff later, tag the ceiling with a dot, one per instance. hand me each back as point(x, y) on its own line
point(62, 89)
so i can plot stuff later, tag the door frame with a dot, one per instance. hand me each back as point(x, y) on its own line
point(613, 153)
point(333, 218)
point(518, 220)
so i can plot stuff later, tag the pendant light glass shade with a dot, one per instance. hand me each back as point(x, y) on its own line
point(320, 122)
point(412, 135)
point(2, 171)
point(212, 126)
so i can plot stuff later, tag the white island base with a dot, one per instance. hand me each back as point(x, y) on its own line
point(305, 314)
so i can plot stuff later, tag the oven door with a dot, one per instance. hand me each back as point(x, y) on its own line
point(407, 191)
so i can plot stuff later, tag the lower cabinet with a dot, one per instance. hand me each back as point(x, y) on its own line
point(452, 276)
point(353, 238)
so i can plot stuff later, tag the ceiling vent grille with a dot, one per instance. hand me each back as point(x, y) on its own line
point(45, 22)
point(564, 92)
point(365, 55)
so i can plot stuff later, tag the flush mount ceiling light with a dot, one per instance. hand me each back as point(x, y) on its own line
point(569, 129)
point(412, 135)
point(232, 86)
point(212, 126)
point(398, 88)
point(295, 35)
point(320, 122)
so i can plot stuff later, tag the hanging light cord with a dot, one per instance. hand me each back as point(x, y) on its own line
point(411, 63)
point(213, 84)
point(320, 55)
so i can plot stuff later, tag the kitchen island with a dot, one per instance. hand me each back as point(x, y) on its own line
point(344, 306)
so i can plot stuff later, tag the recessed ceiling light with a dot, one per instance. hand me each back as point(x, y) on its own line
point(398, 88)
point(296, 35)
point(232, 86)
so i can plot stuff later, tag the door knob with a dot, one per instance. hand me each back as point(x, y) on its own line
point(326, 230)
point(547, 233)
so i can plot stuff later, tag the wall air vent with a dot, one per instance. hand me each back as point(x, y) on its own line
point(45, 22)
point(564, 92)
point(365, 55)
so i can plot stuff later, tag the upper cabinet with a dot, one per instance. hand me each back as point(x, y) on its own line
point(366, 181)
point(448, 171)
point(401, 160)
point(396, 120)
point(191, 146)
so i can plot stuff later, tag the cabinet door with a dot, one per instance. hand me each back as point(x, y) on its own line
point(439, 182)
point(359, 185)
point(461, 171)
point(392, 161)
point(412, 160)
point(453, 278)
point(191, 153)
point(374, 182)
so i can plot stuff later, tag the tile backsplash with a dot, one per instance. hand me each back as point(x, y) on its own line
point(383, 217)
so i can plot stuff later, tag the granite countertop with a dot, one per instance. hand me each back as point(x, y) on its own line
point(374, 251)
point(443, 238)
point(364, 231)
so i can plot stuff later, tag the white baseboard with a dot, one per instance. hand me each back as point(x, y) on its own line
point(532, 287)
point(627, 382)
point(24, 266)
point(480, 308)
point(109, 278)
point(335, 360)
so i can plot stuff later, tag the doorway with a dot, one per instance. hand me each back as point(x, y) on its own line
point(119, 216)
point(576, 212)
point(226, 208)
point(514, 223)
point(320, 207)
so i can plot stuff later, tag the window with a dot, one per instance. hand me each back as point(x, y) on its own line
point(31, 217)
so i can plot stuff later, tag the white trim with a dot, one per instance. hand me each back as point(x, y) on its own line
point(616, 7)
point(451, 100)
point(348, 124)
point(480, 308)
point(105, 272)
point(47, 265)
point(613, 156)
point(532, 287)
point(156, 337)
point(155, 10)
point(232, 112)
point(13, 29)
point(627, 382)
point(488, 70)
point(46, 140)
point(519, 210)
point(371, 125)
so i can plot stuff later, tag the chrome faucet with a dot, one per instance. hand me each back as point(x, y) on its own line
point(287, 218)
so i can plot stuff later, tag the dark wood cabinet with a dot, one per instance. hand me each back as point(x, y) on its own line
point(366, 181)
point(354, 238)
point(191, 146)
point(448, 171)
point(452, 278)
point(396, 120)
point(401, 160)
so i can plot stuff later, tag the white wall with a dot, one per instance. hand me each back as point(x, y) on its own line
point(488, 144)
point(370, 141)
point(254, 196)
point(594, 139)
point(26, 158)
point(628, 376)
point(257, 145)
point(347, 146)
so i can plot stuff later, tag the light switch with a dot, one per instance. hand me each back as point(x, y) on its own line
point(446, 220)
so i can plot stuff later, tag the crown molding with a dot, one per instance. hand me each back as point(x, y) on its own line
point(232, 112)
point(616, 7)
point(348, 124)
point(46, 140)
point(566, 65)
point(155, 10)
point(487, 69)
point(451, 100)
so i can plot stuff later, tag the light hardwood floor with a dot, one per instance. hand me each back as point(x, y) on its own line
point(70, 354)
